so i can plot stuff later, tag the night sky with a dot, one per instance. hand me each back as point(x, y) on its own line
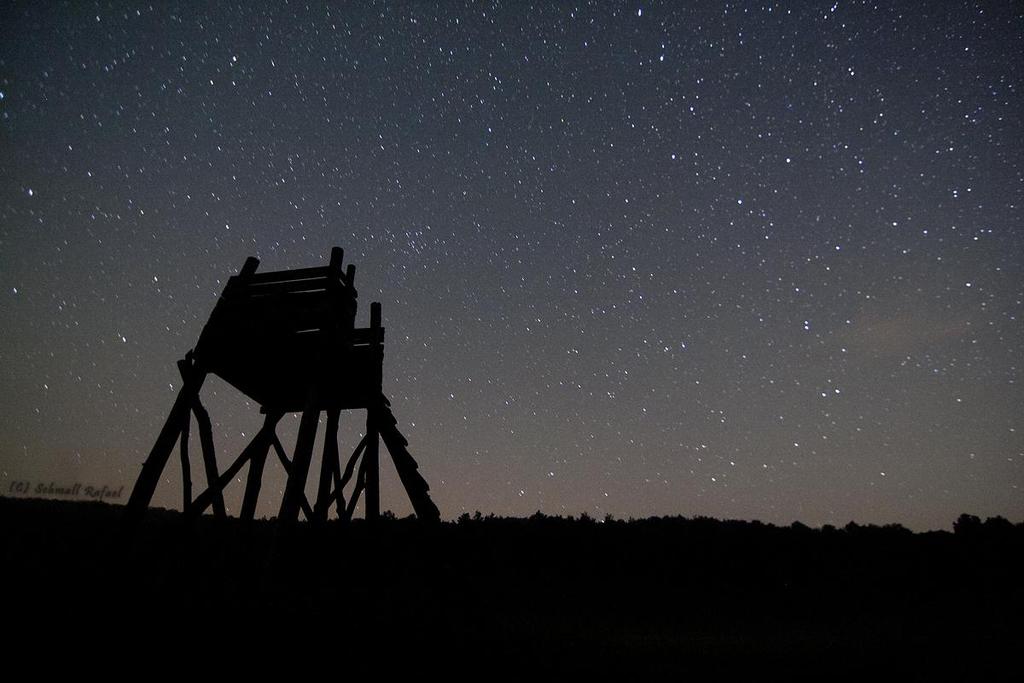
point(736, 260)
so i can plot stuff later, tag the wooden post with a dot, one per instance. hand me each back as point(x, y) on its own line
point(209, 454)
point(207, 497)
point(247, 271)
point(339, 493)
point(415, 486)
point(372, 467)
point(254, 480)
point(295, 489)
point(356, 490)
point(154, 465)
point(376, 340)
point(186, 465)
point(287, 465)
point(329, 467)
point(371, 459)
point(337, 256)
point(249, 267)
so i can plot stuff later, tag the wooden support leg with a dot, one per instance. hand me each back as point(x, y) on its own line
point(350, 467)
point(257, 445)
point(148, 479)
point(371, 466)
point(295, 488)
point(254, 480)
point(357, 489)
point(371, 459)
point(206, 498)
point(209, 455)
point(287, 465)
point(408, 473)
point(339, 493)
point(186, 466)
point(329, 467)
point(341, 481)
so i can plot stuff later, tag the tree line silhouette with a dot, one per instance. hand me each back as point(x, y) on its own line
point(577, 594)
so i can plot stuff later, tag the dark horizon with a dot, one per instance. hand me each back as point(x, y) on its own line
point(634, 259)
point(170, 518)
point(78, 493)
point(543, 594)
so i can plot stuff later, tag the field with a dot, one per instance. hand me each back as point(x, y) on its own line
point(541, 595)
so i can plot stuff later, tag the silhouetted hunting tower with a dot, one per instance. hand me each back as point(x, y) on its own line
point(288, 341)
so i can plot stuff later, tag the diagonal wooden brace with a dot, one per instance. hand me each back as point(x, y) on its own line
point(154, 465)
point(254, 481)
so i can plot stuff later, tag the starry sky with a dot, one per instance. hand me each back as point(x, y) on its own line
point(752, 260)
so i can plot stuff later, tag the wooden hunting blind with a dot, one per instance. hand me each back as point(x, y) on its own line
point(287, 340)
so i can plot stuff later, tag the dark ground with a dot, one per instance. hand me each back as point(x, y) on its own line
point(513, 597)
